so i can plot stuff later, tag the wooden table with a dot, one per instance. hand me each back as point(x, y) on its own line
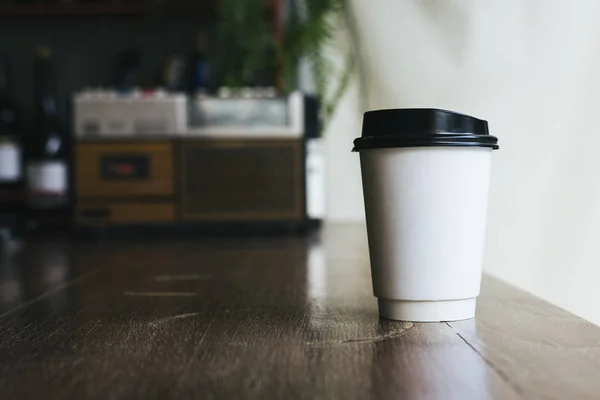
point(270, 318)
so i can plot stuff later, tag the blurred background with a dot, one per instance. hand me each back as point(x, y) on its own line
point(225, 115)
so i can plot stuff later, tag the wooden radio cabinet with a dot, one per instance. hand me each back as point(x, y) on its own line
point(189, 180)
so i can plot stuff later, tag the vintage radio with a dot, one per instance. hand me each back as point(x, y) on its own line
point(203, 179)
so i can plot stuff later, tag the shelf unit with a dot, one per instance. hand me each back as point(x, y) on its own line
point(104, 9)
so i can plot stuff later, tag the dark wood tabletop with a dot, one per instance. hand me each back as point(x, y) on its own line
point(264, 318)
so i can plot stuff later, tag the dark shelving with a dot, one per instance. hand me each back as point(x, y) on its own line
point(106, 9)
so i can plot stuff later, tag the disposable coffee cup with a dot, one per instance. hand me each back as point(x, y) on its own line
point(425, 175)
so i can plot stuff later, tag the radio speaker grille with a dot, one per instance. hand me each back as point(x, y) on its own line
point(242, 180)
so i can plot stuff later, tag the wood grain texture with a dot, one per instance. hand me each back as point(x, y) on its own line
point(541, 350)
point(89, 181)
point(260, 318)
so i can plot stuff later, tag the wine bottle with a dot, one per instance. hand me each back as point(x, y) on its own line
point(11, 177)
point(127, 70)
point(198, 65)
point(47, 158)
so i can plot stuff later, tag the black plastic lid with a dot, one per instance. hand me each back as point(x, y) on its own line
point(416, 127)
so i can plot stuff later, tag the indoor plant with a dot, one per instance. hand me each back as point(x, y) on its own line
point(246, 43)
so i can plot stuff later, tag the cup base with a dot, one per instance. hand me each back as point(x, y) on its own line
point(427, 311)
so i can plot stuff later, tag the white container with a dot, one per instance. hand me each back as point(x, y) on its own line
point(10, 162)
point(47, 177)
point(426, 212)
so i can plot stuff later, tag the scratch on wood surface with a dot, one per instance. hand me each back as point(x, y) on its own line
point(492, 365)
point(160, 294)
point(180, 277)
point(398, 332)
point(406, 326)
point(51, 292)
point(172, 318)
point(54, 332)
point(93, 328)
point(196, 349)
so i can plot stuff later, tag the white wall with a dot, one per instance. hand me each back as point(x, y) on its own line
point(344, 185)
point(532, 69)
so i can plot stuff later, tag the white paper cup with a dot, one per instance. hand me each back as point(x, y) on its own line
point(426, 211)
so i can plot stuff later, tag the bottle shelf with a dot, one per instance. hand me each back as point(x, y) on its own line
point(106, 9)
point(70, 9)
